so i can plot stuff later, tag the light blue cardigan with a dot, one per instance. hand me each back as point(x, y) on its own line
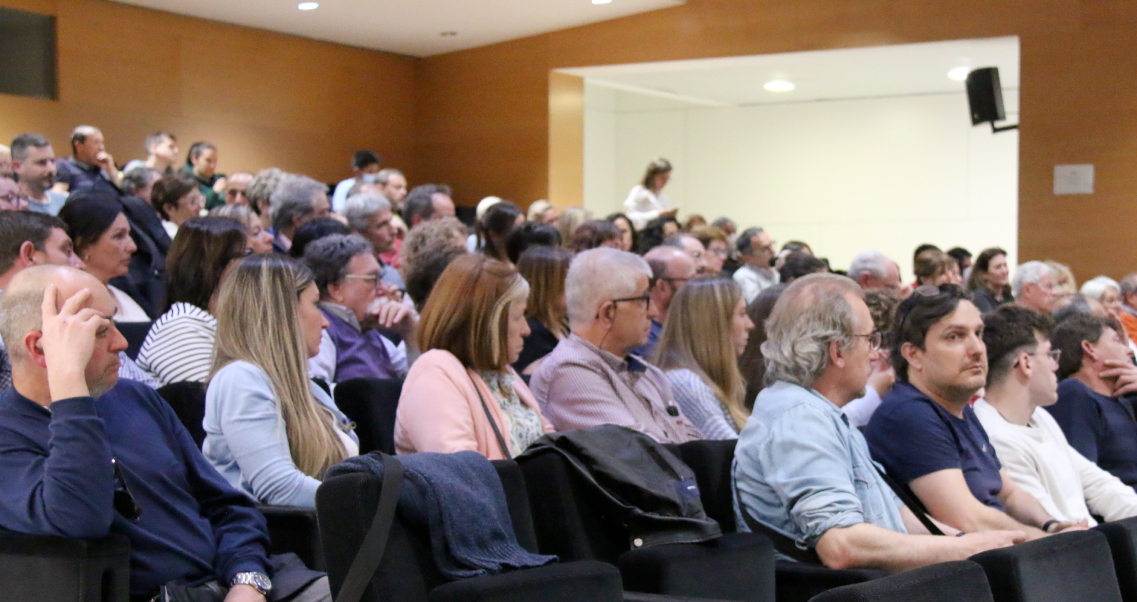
point(245, 438)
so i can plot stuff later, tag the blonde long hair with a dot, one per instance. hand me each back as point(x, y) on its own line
point(697, 336)
point(258, 322)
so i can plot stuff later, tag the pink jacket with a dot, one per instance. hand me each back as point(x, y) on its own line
point(439, 410)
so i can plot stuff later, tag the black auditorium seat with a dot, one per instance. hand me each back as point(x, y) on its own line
point(958, 581)
point(1067, 566)
point(38, 568)
point(371, 404)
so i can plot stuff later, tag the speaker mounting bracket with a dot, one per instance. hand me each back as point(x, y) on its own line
point(996, 129)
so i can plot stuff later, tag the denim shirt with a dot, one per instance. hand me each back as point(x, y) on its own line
point(801, 469)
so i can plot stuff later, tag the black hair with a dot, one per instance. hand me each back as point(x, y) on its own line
point(593, 233)
point(312, 230)
point(196, 149)
point(420, 201)
point(1070, 333)
point(800, 263)
point(796, 245)
point(499, 219)
point(18, 227)
point(916, 316)
point(88, 215)
point(924, 247)
point(652, 234)
point(426, 270)
point(363, 158)
point(635, 235)
point(531, 234)
point(198, 257)
point(1007, 330)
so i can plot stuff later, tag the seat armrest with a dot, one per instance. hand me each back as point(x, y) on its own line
point(294, 529)
point(42, 568)
point(736, 566)
point(585, 580)
point(798, 581)
point(22, 544)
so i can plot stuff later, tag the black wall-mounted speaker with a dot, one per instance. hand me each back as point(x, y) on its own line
point(985, 96)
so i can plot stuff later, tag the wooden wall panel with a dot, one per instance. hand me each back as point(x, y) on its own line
point(1078, 94)
point(263, 98)
point(566, 140)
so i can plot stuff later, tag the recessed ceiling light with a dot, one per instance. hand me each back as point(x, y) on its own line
point(779, 85)
point(601, 1)
point(959, 73)
point(308, 5)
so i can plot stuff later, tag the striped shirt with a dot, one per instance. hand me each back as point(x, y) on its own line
point(700, 405)
point(179, 347)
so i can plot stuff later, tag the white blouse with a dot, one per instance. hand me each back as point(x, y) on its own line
point(128, 309)
point(643, 205)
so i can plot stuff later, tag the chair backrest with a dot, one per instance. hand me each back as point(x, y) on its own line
point(40, 568)
point(135, 334)
point(346, 507)
point(711, 461)
point(1122, 537)
point(943, 582)
point(188, 401)
point(371, 404)
point(1067, 566)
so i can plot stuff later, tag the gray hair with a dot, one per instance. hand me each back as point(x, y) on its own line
point(293, 198)
point(870, 262)
point(21, 312)
point(1095, 288)
point(810, 313)
point(138, 178)
point(599, 275)
point(266, 180)
point(1030, 273)
point(328, 257)
point(360, 209)
point(1128, 285)
point(81, 133)
point(384, 175)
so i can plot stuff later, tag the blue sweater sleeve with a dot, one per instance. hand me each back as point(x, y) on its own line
point(64, 488)
point(1079, 417)
point(239, 529)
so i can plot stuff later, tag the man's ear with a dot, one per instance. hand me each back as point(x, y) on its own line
point(33, 348)
point(913, 355)
point(27, 253)
point(1089, 352)
point(836, 354)
point(334, 293)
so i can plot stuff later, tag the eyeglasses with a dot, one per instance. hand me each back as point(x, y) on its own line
point(719, 252)
point(645, 298)
point(875, 339)
point(123, 501)
point(374, 279)
point(671, 281)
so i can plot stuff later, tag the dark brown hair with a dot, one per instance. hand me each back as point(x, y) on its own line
point(198, 256)
point(171, 189)
point(545, 269)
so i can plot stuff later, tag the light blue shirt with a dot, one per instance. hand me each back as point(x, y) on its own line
point(801, 469)
point(55, 202)
point(245, 438)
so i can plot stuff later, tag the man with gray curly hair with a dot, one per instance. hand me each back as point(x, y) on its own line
point(802, 475)
point(1034, 286)
point(297, 199)
point(592, 377)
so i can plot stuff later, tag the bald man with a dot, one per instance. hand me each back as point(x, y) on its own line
point(671, 268)
point(72, 434)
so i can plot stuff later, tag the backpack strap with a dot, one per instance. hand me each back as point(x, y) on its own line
point(370, 554)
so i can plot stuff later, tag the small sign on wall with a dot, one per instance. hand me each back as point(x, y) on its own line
point(1074, 179)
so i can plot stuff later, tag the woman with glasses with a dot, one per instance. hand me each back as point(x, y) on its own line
point(349, 279)
point(717, 245)
point(179, 346)
point(462, 393)
point(269, 430)
point(706, 330)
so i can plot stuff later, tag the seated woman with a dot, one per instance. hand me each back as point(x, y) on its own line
point(177, 198)
point(179, 346)
point(595, 233)
point(348, 276)
point(494, 227)
point(706, 330)
point(259, 239)
point(270, 431)
point(990, 280)
point(462, 394)
point(546, 312)
point(102, 240)
point(936, 267)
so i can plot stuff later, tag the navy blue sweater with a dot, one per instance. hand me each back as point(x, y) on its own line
point(58, 480)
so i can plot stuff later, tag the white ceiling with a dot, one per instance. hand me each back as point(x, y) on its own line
point(881, 71)
point(411, 27)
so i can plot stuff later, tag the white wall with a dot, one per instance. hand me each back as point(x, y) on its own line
point(884, 173)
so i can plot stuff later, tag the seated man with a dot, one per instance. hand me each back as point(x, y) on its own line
point(671, 269)
point(1020, 382)
point(84, 454)
point(591, 378)
point(927, 436)
point(801, 473)
point(1096, 369)
point(370, 215)
point(347, 275)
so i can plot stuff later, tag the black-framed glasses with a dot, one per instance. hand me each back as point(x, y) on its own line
point(124, 502)
point(645, 298)
point(875, 339)
point(373, 279)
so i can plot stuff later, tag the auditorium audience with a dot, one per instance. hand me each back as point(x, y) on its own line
point(671, 269)
point(801, 473)
point(882, 307)
point(296, 199)
point(1107, 291)
point(800, 263)
point(717, 247)
point(936, 267)
point(627, 230)
point(692, 247)
point(595, 233)
point(1020, 382)
point(179, 346)
point(544, 268)
point(646, 202)
point(237, 188)
point(89, 167)
point(258, 238)
point(269, 430)
point(990, 280)
point(655, 232)
point(161, 152)
point(591, 378)
point(571, 219)
point(461, 393)
point(542, 212)
point(102, 240)
point(927, 436)
point(33, 162)
point(873, 271)
point(364, 168)
point(1097, 373)
point(755, 250)
point(177, 198)
point(349, 278)
point(694, 221)
point(493, 229)
point(201, 165)
point(90, 454)
point(370, 216)
point(1035, 286)
point(528, 235)
point(260, 192)
point(727, 226)
point(313, 230)
point(427, 202)
point(706, 330)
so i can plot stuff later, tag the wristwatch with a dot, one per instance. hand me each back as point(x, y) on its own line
point(258, 580)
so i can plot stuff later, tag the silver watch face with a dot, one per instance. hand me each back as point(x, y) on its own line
point(257, 580)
